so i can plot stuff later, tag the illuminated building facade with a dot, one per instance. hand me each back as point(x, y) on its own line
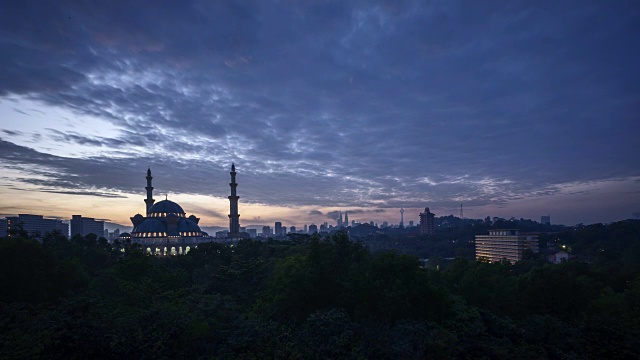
point(508, 244)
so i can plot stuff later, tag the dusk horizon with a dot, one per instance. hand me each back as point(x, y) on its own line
point(518, 110)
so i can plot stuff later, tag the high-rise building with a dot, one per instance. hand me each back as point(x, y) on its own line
point(278, 226)
point(313, 229)
point(36, 225)
point(338, 221)
point(85, 226)
point(410, 223)
point(427, 222)
point(63, 228)
point(507, 244)
point(292, 229)
point(234, 216)
point(266, 231)
point(545, 220)
point(3, 227)
point(305, 229)
point(346, 219)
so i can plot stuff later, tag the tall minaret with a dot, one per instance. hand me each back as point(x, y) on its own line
point(234, 217)
point(149, 200)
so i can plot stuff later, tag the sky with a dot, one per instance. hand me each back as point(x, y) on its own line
point(510, 108)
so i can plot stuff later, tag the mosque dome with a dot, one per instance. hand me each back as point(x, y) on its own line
point(165, 221)
point(152, 225)
point(164, 208)
point(185, 225)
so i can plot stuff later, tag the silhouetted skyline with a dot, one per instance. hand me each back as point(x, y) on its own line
point(513, 109)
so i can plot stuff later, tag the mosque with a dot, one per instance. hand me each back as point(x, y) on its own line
point(166, 229)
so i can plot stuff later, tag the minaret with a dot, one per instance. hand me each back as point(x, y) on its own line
point(346, 219)
point(149, 200)
point(234, 217)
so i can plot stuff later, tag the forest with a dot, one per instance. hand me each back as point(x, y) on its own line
point(313, 298)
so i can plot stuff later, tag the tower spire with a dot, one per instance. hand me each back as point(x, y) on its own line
point(234, 217)
point(149, 200)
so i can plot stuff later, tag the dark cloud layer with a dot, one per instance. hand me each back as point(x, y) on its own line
point(333, 103)
point(85, 193)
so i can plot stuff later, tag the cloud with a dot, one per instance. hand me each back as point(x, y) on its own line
point(205, 211)
point(11, 133)
point(315, 212)
point(388, 105)
point(88, 193)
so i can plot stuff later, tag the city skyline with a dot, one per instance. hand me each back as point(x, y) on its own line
point(515, 110)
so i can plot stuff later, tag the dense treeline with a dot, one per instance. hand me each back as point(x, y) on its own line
point(317, 299)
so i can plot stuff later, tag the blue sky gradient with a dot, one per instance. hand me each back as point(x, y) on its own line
point(513, 108)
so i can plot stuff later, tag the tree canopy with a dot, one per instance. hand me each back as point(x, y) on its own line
point(317, 298)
